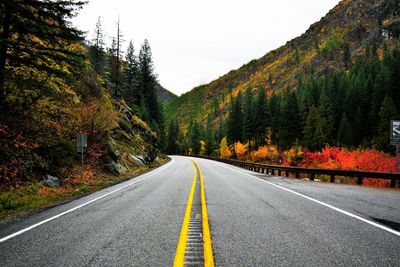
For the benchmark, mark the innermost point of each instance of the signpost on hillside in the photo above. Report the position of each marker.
(81, 144)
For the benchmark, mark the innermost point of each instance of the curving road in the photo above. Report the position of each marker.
(255, 220)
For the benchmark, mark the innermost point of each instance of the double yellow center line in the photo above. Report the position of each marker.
(207, 246)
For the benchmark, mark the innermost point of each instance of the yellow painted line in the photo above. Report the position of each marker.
(180, 251)
(208, 252)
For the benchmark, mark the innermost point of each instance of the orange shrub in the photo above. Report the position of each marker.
(265, 153)
(240, 150)
(294, 156)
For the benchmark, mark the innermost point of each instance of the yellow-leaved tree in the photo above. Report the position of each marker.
(224, 150)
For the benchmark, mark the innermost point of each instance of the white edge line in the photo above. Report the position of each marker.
(84, 204)
(390, 230)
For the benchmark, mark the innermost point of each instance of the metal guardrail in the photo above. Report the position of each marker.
(278, 170)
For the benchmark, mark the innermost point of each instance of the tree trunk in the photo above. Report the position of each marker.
(4, 36)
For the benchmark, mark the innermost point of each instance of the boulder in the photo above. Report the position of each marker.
(51, 181)
(118, 168)
(138, 159)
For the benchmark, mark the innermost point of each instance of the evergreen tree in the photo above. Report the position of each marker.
(195, 137)
(235, 120)
(345, 133)
(314, 138)
(131, 71)
(210, 138)
(290, 119)
(381, 87)
(147, 84)
(387, 112)
(248, 117)
(113, 69)
(96, 49)
(275, 111)
(172, 138)
(262, 118)
(327, 114)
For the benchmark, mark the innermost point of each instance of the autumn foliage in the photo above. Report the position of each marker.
(240, 150)
(224, 150)
(267, 153)
(329, 158)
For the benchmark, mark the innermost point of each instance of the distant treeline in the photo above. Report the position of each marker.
(348, 108)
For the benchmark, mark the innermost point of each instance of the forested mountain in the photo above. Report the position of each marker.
(337, 84)
(55, 85)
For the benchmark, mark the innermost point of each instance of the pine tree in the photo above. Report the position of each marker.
(326, 112)
(235, 120)
(172, 138)
(275, 111)
(248, 117)
(345, 133)
(147, 84)
(195, 137)
(262, 118)
(387, 112)
(96, 49)
(131, 73)
(314, 138)
(381, 87)
(113, 69)
(289, 118)
(210, 138)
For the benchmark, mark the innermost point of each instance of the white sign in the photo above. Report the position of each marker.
(395, 132)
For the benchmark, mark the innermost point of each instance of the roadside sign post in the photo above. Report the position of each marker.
(81, 144)
(395, 140)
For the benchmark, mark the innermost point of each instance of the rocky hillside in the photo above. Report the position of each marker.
(163, 94)
(348, 31)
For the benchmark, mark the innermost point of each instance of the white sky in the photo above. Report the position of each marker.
(195, 42)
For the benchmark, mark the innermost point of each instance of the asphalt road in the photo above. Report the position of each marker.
(254, 221)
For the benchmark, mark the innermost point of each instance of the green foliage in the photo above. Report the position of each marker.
(333, 44)
(53, 87)
(248, 116)
(195, 136)
(387, 112)
(345, 132)
(262, 118)
(36, 35)
(173, 134)
(235, 120)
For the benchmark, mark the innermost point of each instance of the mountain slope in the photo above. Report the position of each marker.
(163, 94)
(350, 28)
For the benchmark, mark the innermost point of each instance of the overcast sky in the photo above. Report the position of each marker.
(195, 42)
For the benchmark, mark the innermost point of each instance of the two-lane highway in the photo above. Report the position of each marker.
(252, 222)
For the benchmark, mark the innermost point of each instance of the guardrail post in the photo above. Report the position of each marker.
(393, 183)
(279, 172)
(287, 173)
(297, 175)
(359, 180)
(312, 177)
(332, 178)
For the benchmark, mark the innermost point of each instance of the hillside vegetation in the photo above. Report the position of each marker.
(55, 85)
(330, 45)
(337, 84)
